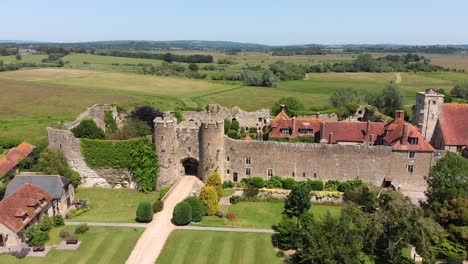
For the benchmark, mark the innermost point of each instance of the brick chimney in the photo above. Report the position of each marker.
(330, 138)
(368, 127)
(293, 125)
(404, 136)
(283, 108)
(400, 114)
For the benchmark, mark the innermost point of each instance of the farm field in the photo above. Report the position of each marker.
(210, 247)
(98, 245)
(111, 205)
(261, 214)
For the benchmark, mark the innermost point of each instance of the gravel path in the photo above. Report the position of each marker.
(151, 243)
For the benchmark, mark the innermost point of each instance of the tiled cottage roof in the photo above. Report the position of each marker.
(14, 157)
(54, 185)
(20, 204)
(295, 125)
(454, 124)
(358, 132)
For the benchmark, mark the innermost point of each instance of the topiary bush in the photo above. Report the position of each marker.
(88, 129)
(144, 212)
(198, 211)
(158, 206)
(209, 198)
(81, 229)
(182, 214)
(214, 179)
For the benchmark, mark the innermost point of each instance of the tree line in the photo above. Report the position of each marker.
(168, 57)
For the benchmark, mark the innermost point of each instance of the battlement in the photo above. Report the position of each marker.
(213, 124)
(160, 122)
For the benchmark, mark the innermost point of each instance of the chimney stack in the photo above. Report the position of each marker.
(283, 108)
(399, 114)
(330, 138)
(371, 139)
(404, 137)
(293, 125)
(368, 127)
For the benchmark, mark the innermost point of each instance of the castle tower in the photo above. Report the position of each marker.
(426, 112)
(165, 139)
(211, 142)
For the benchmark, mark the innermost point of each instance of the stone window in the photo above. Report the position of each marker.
(315, 175)
(293, 174)
(248, 161)
(413, 141)
(410, 168)
(270, 172)
(228, 172)
(411, 154)
(260, 119)
(234, 178)
(189, 149)
(247, 171)
(306, 131)
(303, 174)
(227, 158)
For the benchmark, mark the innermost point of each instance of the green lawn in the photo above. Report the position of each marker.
(261, 214)
(99, 245)
(209, 247)
(111, 205)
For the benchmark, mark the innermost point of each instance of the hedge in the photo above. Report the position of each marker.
(136, 154)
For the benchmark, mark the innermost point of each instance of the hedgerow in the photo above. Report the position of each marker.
(137, 155)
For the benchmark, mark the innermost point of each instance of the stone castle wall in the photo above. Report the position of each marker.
(96, 112)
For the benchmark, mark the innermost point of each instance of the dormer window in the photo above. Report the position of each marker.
(24, 217)
(284, 131)
(36, 207)
(42, 200)
(413, 141)
(306, 131)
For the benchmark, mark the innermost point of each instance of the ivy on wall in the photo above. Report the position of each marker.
(137, 155)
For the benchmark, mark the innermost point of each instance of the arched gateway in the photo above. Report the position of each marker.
(190, 166)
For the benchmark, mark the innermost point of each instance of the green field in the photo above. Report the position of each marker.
(111, 205)
(261, 214)
(98, 245)
(37, 98)
(209, 247)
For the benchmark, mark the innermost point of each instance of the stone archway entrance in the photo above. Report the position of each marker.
(190, 166)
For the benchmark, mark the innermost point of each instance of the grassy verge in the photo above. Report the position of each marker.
(261, 214)
(111, 205)
(98, 245)
(206, 247)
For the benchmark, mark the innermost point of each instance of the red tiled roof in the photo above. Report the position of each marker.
(14, 156)
(394, 136)
(358, 132)
(13, 207)
(299, 123)
(248, 138)
(280, 116)
(454, 124)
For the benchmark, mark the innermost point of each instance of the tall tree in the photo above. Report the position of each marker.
(297, 202)
(146, 113)
(344, 96)
(292, 106)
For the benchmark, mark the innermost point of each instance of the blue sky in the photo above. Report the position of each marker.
(273, 22)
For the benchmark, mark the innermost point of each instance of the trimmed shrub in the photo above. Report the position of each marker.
(332, 185)
(182, 214)
(214, 179)
(344, 187)
(289, 183)
(274, 182)
(209, 198)
(233, 134)
(64, 234)
(58, 220)
(76, 212)
(228, 184)
(316, 185)
(197, 208)
(235, 199)
(35, 236)
(144, 212)
(254, 182)
(163, 192)
(46, 224)
(88, 129)
(158, 206)
(81, 229)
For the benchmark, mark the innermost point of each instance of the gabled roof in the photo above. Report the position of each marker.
(54, 185)
(280, 116)
(395, 136)
(297, 123)
(21, 203)
(14, 157)
(454, 124)
(358, 132)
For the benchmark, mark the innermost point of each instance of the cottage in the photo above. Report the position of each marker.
(8, 162)
(58, 187)
(19, 210)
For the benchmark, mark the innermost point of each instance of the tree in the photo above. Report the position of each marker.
(182, 214)
(288, 232)
(209, 198)
(19, 57)
(460, 90)
(197, 208)
(364, 62)
(214, 179)
(146, 113)
(35, 236)
(293, 105)
(193, 67)
(144, 212)
(88, 129)
(297, 202)
(390, 99)
(344, 96)
(53, 162)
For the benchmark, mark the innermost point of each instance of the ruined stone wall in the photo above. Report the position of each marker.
(96, 112)
(325, 162)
